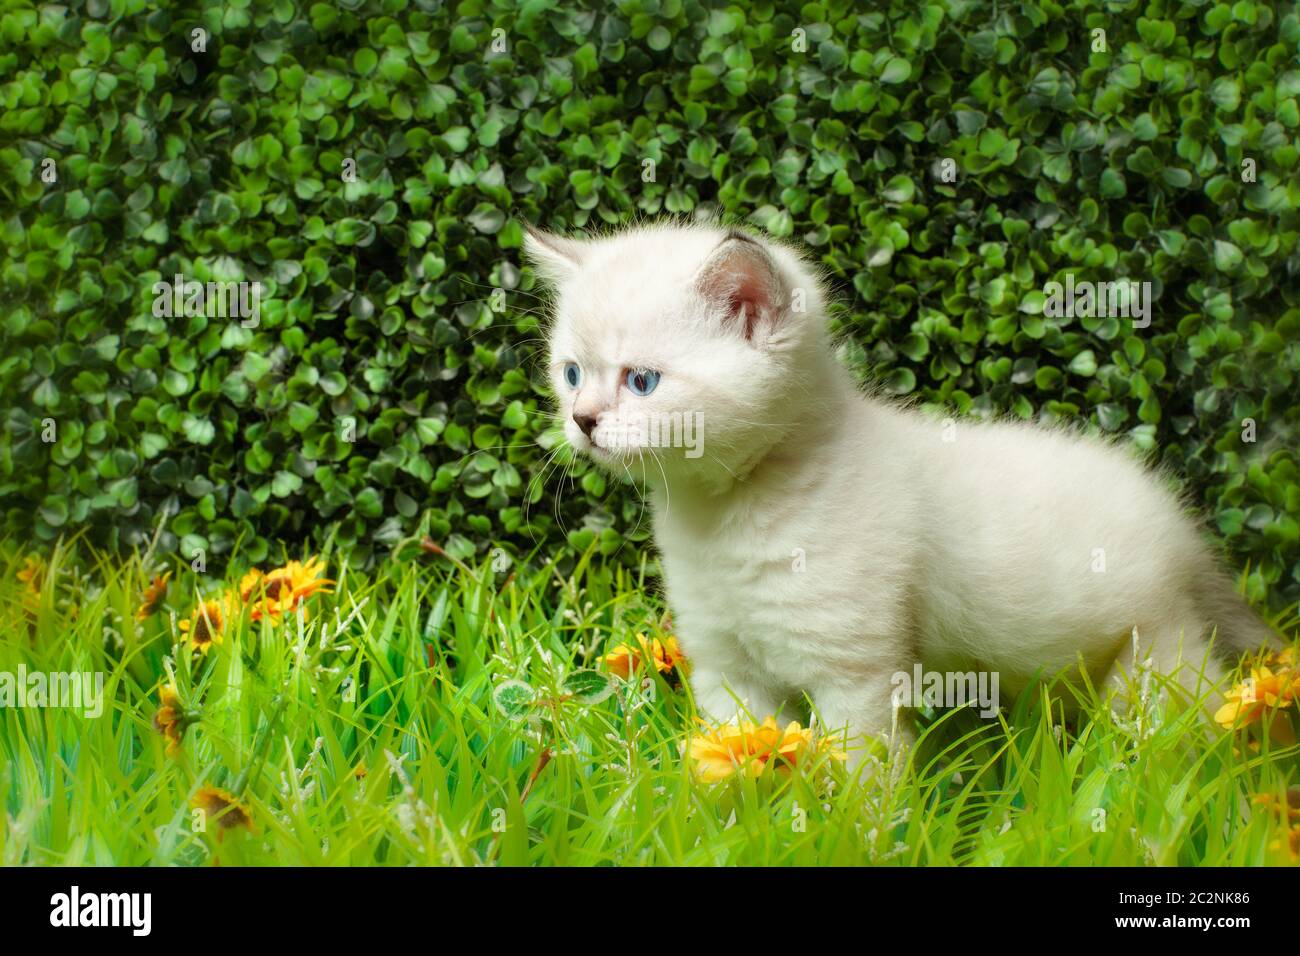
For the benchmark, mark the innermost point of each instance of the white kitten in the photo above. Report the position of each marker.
(819, 541)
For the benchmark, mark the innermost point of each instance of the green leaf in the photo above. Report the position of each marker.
(899, 189)
(900, 381)
(1227, 257)
(896, 70)
(1084, 363)
(513, 698)
(588, 687)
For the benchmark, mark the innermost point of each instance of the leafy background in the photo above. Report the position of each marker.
(228, 163)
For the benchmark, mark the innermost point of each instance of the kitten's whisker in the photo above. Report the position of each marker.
(506, 325)
(641, 513)
(567, 472)
(540, 480)
(483, 285)
(722, 463)
(514, 308)
(668, 499)
(490, 448)
(745, 421)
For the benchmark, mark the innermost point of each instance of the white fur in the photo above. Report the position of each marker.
(974, 553)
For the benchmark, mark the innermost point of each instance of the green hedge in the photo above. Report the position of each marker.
(819, 123)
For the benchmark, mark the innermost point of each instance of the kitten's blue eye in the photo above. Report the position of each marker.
(572, 374)
(642, 381)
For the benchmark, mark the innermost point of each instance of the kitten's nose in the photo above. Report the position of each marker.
(586, 422)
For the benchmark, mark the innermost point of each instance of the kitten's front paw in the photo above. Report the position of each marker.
(868, 724)
(722, 702)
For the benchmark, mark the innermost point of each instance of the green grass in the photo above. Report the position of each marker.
(448, 774)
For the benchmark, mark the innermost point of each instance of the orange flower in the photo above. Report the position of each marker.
(748, 749)
(280, 591)
(223, 808)
(1289, 812)
(153, 595)
(665, 654)
(1273, 685)
(171, 719)
(205, 626)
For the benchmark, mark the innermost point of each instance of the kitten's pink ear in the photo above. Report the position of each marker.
(741, 277)
(554, 256)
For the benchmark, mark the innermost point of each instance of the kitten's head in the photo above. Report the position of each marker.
(680, 352)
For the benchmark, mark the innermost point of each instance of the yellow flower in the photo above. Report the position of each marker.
(205, 626)
(1287, 845)
(171, 719)
(666, 655)
(222, 808)
(32, 573)
(280, 591)
(153, 595)
(1272, 686)
(248, 584)
(1283, 658)
(746, 748)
